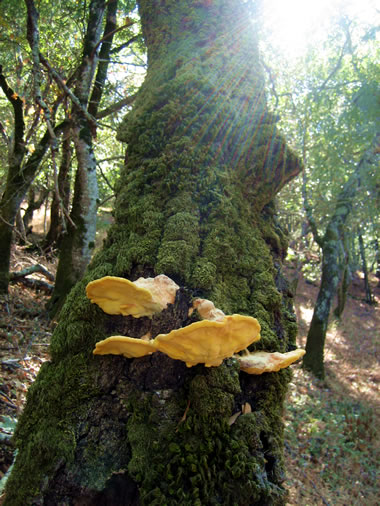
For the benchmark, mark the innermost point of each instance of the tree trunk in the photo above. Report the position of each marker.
(61, 196)
(204, 163)
(19, 179)
(342, 291)
(78, 244)
(20, 228)
(332, 244)
(377, 259)
(331, 276)
(367, 287)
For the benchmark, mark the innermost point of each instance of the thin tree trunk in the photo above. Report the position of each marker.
(20, 228)
(78, 244)
(342, 292)
(367, 287)
(19, 178)
(204, 163)
(377, 259)
(61, 196)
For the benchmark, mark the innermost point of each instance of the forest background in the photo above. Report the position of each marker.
(327, 103)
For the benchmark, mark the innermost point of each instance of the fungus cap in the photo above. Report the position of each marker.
(259, 362)
(208, 341)
(143, 297)
(207, 310)
(130, 347)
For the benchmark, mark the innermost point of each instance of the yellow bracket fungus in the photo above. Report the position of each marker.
(142, 297)
(127, 346)
(208, 341)
(262, 361)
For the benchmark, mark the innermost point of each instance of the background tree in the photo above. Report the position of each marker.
(55, 69)
(333, 115)
(194, 202)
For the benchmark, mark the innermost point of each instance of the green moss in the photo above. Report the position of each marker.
(45, 432)
(206, 461)
(204, 274)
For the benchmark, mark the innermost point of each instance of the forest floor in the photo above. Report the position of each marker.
(332, 443)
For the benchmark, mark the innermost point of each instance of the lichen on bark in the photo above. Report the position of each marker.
(194, 202)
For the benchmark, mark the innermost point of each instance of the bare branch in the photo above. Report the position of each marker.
(58, 79)
(111, 159)
(106, 179)
(129, 23)
(64, 211)
(19, 125)
(33, 37)
(117, 106)
(4, 134)
(123, 46)
(31, 270)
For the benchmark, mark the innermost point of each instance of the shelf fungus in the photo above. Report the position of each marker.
(142, 297)
(259, 362)
(205, 342)
(129, 347)
(209, 342)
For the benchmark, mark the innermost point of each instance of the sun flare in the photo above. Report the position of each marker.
(295, 24)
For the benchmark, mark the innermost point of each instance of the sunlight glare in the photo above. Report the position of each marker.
(296, 24)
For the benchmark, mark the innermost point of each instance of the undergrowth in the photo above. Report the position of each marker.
(331, 443)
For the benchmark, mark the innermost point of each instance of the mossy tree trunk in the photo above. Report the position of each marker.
(194, 202)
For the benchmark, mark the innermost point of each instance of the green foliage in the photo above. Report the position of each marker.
(64, 23)
(329, 105)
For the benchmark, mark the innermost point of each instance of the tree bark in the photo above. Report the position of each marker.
(377, 259)
(342, 290)
(194, 202)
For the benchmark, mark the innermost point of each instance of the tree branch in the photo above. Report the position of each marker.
(19, 125)
(123, 46)
(103, 62)
(306, 203)
(33, 37)
(4, 134)
(336, 67)
(14, 276)
(58, 79)
(112, 32)
(116, 106)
